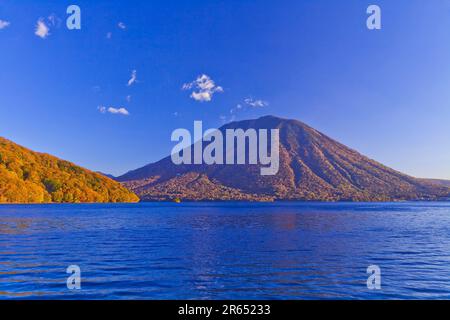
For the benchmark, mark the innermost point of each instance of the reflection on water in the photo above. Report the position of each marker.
(225, 250)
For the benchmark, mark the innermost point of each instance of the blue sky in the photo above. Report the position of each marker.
(384, 93)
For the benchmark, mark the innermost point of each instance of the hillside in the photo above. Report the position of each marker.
(30, 177)
(440, 182)
(312, 167)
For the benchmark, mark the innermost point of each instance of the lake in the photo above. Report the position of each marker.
(226, 250)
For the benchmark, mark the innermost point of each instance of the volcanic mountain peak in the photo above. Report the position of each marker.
(312, 167)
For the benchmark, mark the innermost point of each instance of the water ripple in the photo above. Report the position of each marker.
(225, 250)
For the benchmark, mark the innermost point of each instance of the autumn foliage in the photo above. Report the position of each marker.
(31, 177)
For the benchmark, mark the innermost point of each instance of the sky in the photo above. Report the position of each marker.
(108, 96)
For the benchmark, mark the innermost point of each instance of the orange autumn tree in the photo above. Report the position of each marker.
(31, 177)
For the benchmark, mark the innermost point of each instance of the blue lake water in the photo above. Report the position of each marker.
(225, 250)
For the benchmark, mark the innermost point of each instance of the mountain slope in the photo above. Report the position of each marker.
(30, 177)
(107, 175)
(312, 167)
(439, 182)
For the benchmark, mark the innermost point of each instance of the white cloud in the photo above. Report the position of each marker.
(133, 78)
(53, 20)
(4, 24)
(113, 110)
(248, 103)
(128, 98)
(204, 88)
(122, 111)
(201, 96)
(256, 103)
(42, 30)
(122, 25)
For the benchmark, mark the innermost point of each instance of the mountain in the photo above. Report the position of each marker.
(439, 182)
(312, 167)
(31, 177)
(107, 175)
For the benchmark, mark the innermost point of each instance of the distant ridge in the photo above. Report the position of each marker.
(312, 167)
(107, 175)
(31, 177)
(440, 182)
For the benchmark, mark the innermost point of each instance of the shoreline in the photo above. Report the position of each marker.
(227, 201)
